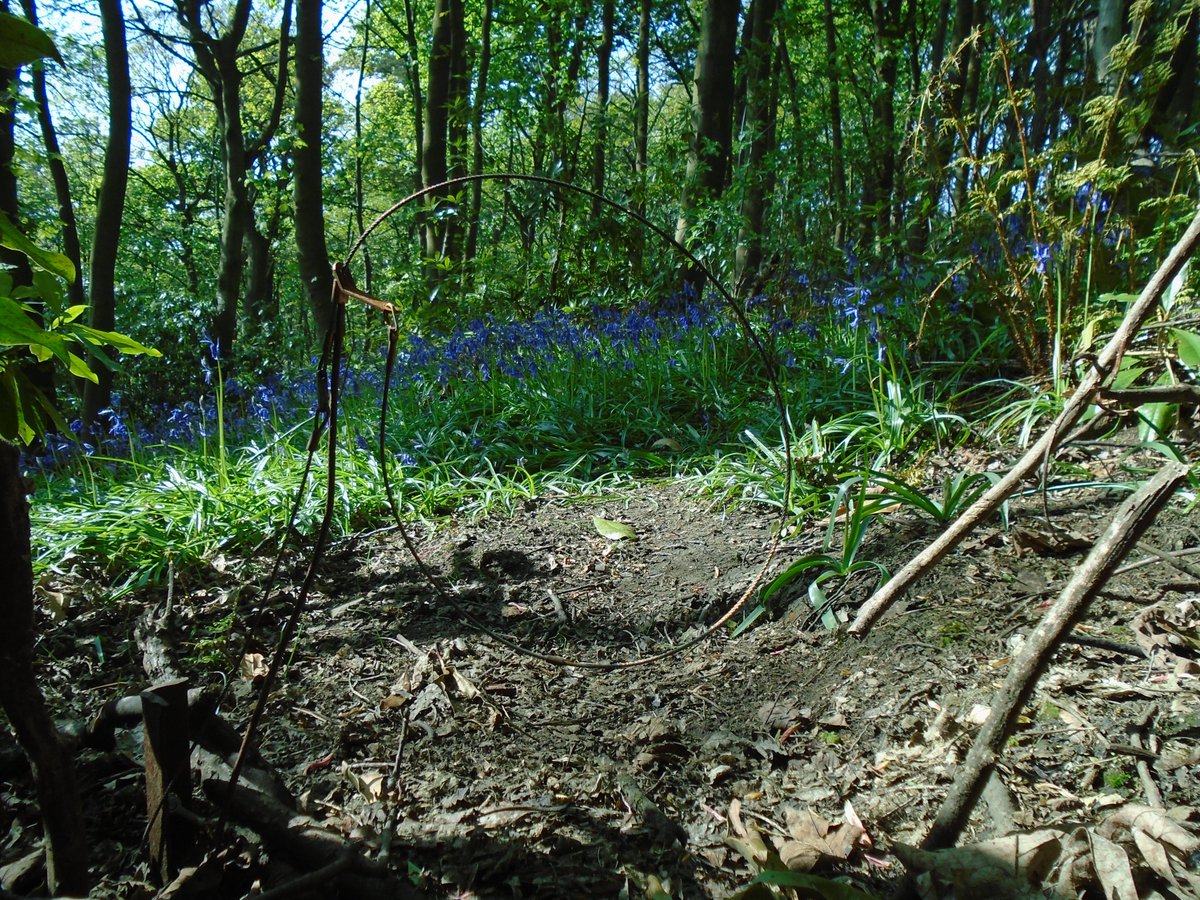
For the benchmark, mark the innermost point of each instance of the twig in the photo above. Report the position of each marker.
(1151, 560)
(385, 850)
(1107, 363)
(1172, 559)
(1140, 739)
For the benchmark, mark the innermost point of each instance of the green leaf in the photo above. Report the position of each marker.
(22, 42)
(12, 238)
(80, 369)
(820, 603)
(18, 329)
(12, 419)
(795, 570)
(1187, 345)
(826, 888)
(119, 342)
(614, 531)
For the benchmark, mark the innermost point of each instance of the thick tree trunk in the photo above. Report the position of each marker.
(759, 134)
(312, 251)
(435, 142)
(413, 70)
(261, 303)
(712, 112)
(20, 695)
(111, 205)
(217, 59)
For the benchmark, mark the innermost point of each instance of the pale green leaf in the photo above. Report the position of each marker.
(119, 342)
(1187, 344)
(614, 531)
(80, 369)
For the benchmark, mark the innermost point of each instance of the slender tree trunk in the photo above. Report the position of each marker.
(418, 97)
(20, 695)
(217, 59)
(880, 180)
(758, 133)
(477, 161)
(712, 112)
(359, 217)
(111, 205)
(312, 251)
(58, 173)
(602, 77)
(965, 96)
(1109, 23)
(641, 129)
(261, 305)
(838, 163)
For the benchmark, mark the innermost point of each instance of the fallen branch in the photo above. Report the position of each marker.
(1106, 364)
(1159, 393)
(1131, 520)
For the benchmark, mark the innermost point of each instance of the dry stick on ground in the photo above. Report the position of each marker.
(1105, 365)
(1131, 520)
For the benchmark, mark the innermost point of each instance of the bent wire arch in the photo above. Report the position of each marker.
(748, 332)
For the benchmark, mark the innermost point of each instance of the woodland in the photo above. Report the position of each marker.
(470, 448)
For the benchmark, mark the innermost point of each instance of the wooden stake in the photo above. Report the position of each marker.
(168, 773)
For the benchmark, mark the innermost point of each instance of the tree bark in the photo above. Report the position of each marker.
(608, 12)
(20, 695)
(759, 133)
(110, 207)
(311, 247)
(435, 142)
(712, 111)
(641, 128)
(1109, 22)
(477, 161)
(879, 181)
(217, 59)
(838, 163)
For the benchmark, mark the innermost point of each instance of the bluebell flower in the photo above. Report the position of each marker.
(1041, 256)
(809, 330)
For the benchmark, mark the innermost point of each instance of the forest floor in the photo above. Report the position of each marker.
(516, 777)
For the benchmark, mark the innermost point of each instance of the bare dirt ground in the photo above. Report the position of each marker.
(519, 778)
